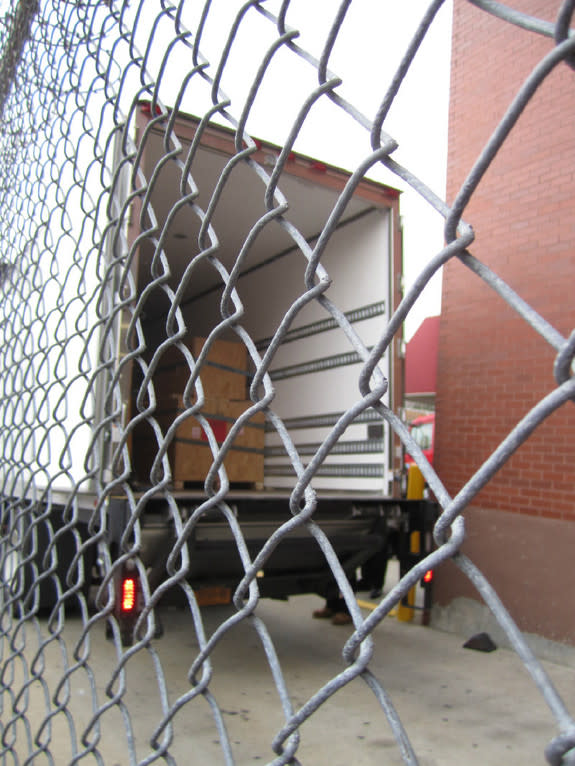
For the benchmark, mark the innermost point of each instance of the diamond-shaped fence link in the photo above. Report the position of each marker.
(189, 365)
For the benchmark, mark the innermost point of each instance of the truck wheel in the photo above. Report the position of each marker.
(20, 574)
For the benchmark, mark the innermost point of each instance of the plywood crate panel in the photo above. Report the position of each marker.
(223, 374)
(189, 453)
(244, 462)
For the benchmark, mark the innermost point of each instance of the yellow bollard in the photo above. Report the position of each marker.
(415, 488)
(405, 613)
(415, 483)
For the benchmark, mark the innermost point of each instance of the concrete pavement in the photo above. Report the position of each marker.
(458, 706)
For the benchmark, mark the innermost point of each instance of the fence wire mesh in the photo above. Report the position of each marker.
(137, 242)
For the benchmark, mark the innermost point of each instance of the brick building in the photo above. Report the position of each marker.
(492, 366)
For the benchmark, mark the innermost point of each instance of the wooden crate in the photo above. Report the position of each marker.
(223, 374)
(224, 379)
(189, 453)
(210, 595)
(191, 456)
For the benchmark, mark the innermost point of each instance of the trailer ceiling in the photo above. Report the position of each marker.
(240, 205)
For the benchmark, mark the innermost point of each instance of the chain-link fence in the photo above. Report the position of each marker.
(200, 362)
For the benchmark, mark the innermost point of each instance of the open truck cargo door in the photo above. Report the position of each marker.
(263, 241)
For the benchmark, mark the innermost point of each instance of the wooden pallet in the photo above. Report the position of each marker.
(254, 486)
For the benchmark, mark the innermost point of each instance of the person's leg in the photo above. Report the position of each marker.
(341, 615)
(335, 608)
(374, 571)
(332, 603)
(327, 611)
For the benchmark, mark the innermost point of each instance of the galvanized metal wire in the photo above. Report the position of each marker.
(74, 188)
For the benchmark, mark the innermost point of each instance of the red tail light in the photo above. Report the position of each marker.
(428, 576)
(128, 600)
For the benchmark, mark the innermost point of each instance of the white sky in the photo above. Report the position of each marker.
(374, 37)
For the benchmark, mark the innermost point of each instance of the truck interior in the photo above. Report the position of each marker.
(204, 222)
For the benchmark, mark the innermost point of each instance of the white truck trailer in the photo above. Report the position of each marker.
(206, 258)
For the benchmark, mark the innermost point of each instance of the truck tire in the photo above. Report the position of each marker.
(25, 591)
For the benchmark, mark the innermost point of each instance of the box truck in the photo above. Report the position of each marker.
(207, 275)
(422, 430)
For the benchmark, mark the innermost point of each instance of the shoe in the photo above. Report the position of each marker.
(376, 593)
(323, 614)
(341, 618)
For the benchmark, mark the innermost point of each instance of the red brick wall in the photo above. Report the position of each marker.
(492, 366)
